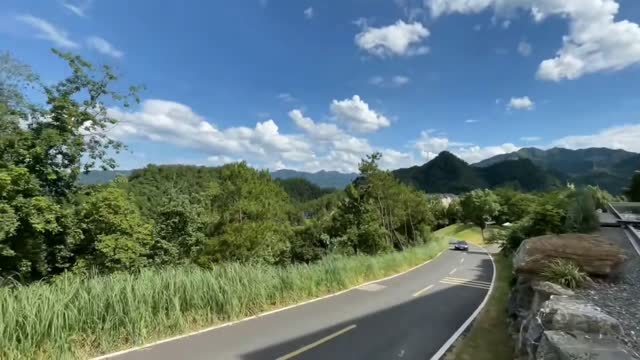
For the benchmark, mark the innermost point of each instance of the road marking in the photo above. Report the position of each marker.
(319, 342)
(423, 291)
(372, 287)
(452, 271)
(463, 284)
(443, 349)
(461, 260)
(467, 281)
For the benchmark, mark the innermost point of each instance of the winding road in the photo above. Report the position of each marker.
(415, 315)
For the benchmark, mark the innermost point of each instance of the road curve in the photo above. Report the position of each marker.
(411, 316)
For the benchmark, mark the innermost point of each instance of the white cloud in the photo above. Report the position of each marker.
(320, 131)
(471, 121)
(524, 48)
(175, 123)
(430, 146)
(78, 7)
(506, 24)
(625, 137)
(530, 138)
(477, 27)
(308, 13)
(596, 41)
(286, 97)
(498, 101)
(218, 160)
(47, 31)
(394, 81)
(104, 47)
(399, 39)
(473, 154)
(400, 80)
(521, 103)
(357, 114)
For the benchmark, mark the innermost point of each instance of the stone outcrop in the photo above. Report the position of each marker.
(558, 345)
(591, 253)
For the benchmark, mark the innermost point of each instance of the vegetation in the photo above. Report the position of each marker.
(479, 207)
(633, 192)
(75, 316)
(466, 232)
(564, 272)
(488, 338)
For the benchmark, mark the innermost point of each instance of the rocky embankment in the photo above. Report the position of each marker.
(554, 323)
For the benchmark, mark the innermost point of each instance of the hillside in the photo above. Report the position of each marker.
(444, 174)
(102, 177)
(449, 174)
(324, 179)
(608, 168)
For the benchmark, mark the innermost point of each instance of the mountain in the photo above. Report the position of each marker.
(608, 168)
(324, 179)
(102, 177)
(449, 174)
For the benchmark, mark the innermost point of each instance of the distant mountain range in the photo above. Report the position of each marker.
(448, 174)
(608, 168)
(529, 169)
(324, 179)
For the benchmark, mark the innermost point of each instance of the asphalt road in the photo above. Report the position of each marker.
(410, 316)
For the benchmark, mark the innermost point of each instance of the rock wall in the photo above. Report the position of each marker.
(548, 321)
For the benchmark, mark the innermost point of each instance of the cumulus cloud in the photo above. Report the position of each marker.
(357, 115)
(320, 131)
(473, 154)
(524, 48)
(595, 42)
(625, 137)
(104, 47)
(175, 123)
(520, 103)
(47, 31)
(308, 13)
(430, 146)
(399, 39)
(530, 138)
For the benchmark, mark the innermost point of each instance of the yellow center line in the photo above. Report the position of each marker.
(314, 344)
(467, 281)
(423, 291)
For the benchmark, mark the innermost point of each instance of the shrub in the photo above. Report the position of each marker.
(564, 272)
(581, 215)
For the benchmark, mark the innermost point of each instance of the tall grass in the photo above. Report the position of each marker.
(76, 317)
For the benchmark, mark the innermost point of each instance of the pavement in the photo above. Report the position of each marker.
(410, 316)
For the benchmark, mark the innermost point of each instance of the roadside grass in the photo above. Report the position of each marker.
(488, 338)
(467, 232)
(77, 317)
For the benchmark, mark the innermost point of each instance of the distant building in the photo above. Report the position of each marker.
(445, 198)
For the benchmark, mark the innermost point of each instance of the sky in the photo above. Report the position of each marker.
(312, 85)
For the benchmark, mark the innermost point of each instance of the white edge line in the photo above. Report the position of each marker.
(630, 236)
(118, 353)
(466, 324)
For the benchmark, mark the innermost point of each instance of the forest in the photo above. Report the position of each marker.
(198, 227)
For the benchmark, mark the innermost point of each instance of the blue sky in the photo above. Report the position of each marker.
(315, 85)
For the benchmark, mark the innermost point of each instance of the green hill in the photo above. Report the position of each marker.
(449, 174)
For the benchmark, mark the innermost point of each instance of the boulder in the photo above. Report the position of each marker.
(542, 291)
(558, 345)
(569, 314)
(564, 314)
(591, 253)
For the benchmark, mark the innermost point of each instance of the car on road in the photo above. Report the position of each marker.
(460, 245)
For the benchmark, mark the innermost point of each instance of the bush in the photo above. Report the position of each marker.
(565, 272)
(581, 215)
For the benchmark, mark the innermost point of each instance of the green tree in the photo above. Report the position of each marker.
(581, 214)
(114, 235)
(479, 207)
(514, 205)
(252, 221)
(633, 193)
